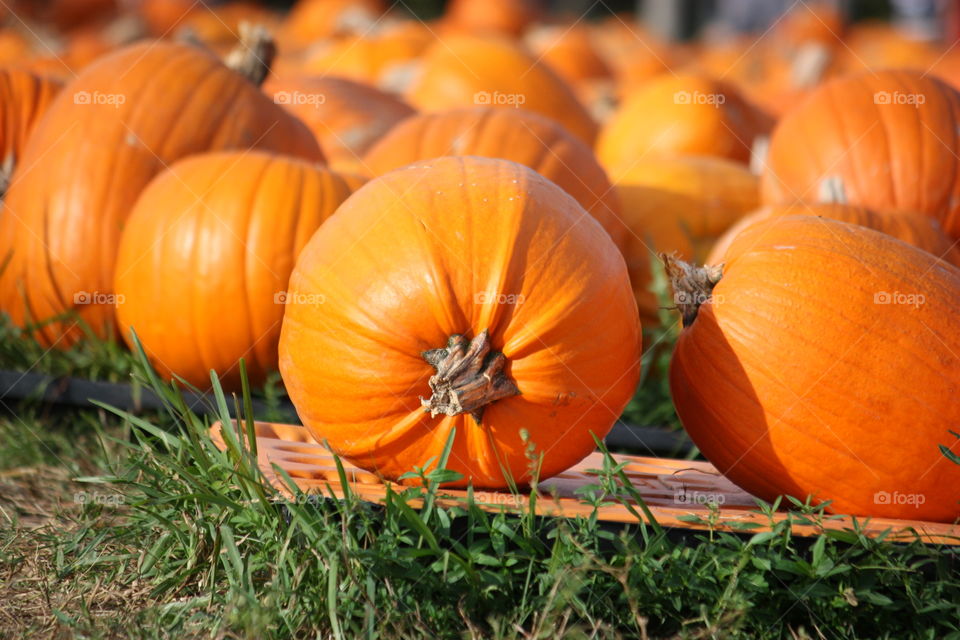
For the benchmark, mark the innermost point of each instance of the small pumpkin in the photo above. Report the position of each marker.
(103, 138)
(512, 134)
(682, 114)
(346, 117)
(822, 360)
(920, 231)
(892, 146)
(678, 205)
(206, 254)
(467, 294)
(463, 71)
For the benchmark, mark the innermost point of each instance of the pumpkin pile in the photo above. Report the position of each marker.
(449, 236)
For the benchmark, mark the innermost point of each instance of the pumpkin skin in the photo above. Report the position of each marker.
(791, 379)
(459, 246)
(569, 50)
(466, 71)
(219, 231)
(899, 157)
(919, 231)
(678, 205)
(681, 114)
(346, 117)
(511, 134)
(85, 165)
(25, 97)
(504, 17)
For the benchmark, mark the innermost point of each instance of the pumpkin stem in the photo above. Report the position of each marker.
(254, 54)
(6, 173)
(692, 285)
(469, 377)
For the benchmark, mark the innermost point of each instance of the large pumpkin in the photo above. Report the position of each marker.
(511, 134)
(824, 360)
(24, 97)
(205, 257)
(461, 293)
(919, 231)
(884, 140)
(464, 71)
(121, 122)
(678, 205)
(345, 116)
(681, 114)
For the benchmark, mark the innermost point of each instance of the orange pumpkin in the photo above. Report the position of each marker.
(462, 71)
(823, 361)
(461, 293)
(346, 117)
(919, 231)
(569, 50)
(226, 228)
(892, 146)
(511, 134)
(504, 17)
(312, 20)
(104, 137)
(681, 114)
(678, 205)
(370, 58)
(24, 97)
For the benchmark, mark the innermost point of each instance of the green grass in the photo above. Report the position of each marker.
(115, 525)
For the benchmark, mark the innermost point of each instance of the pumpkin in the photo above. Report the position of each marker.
(104, 137)
(681, 114)
(511, 134)
(569, 50)
(226, 227)
(312, 20)
(462, 294)
(892, 146)
(24, 97)
(822, 361)
(678, 205)
(919, 231)
(373, 59)
(346, 117)
(462, 71)
(504, 17)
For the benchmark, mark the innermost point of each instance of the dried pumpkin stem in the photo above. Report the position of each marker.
(254, 54)
(692, 285)
(469, 377)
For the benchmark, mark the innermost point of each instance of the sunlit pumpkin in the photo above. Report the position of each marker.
(467, 294)
(467, 71)
(883, 140)
(103, 138)
(24, 98)
(824, 360)
(205, 256)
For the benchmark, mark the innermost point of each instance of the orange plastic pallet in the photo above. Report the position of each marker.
(674, 490)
